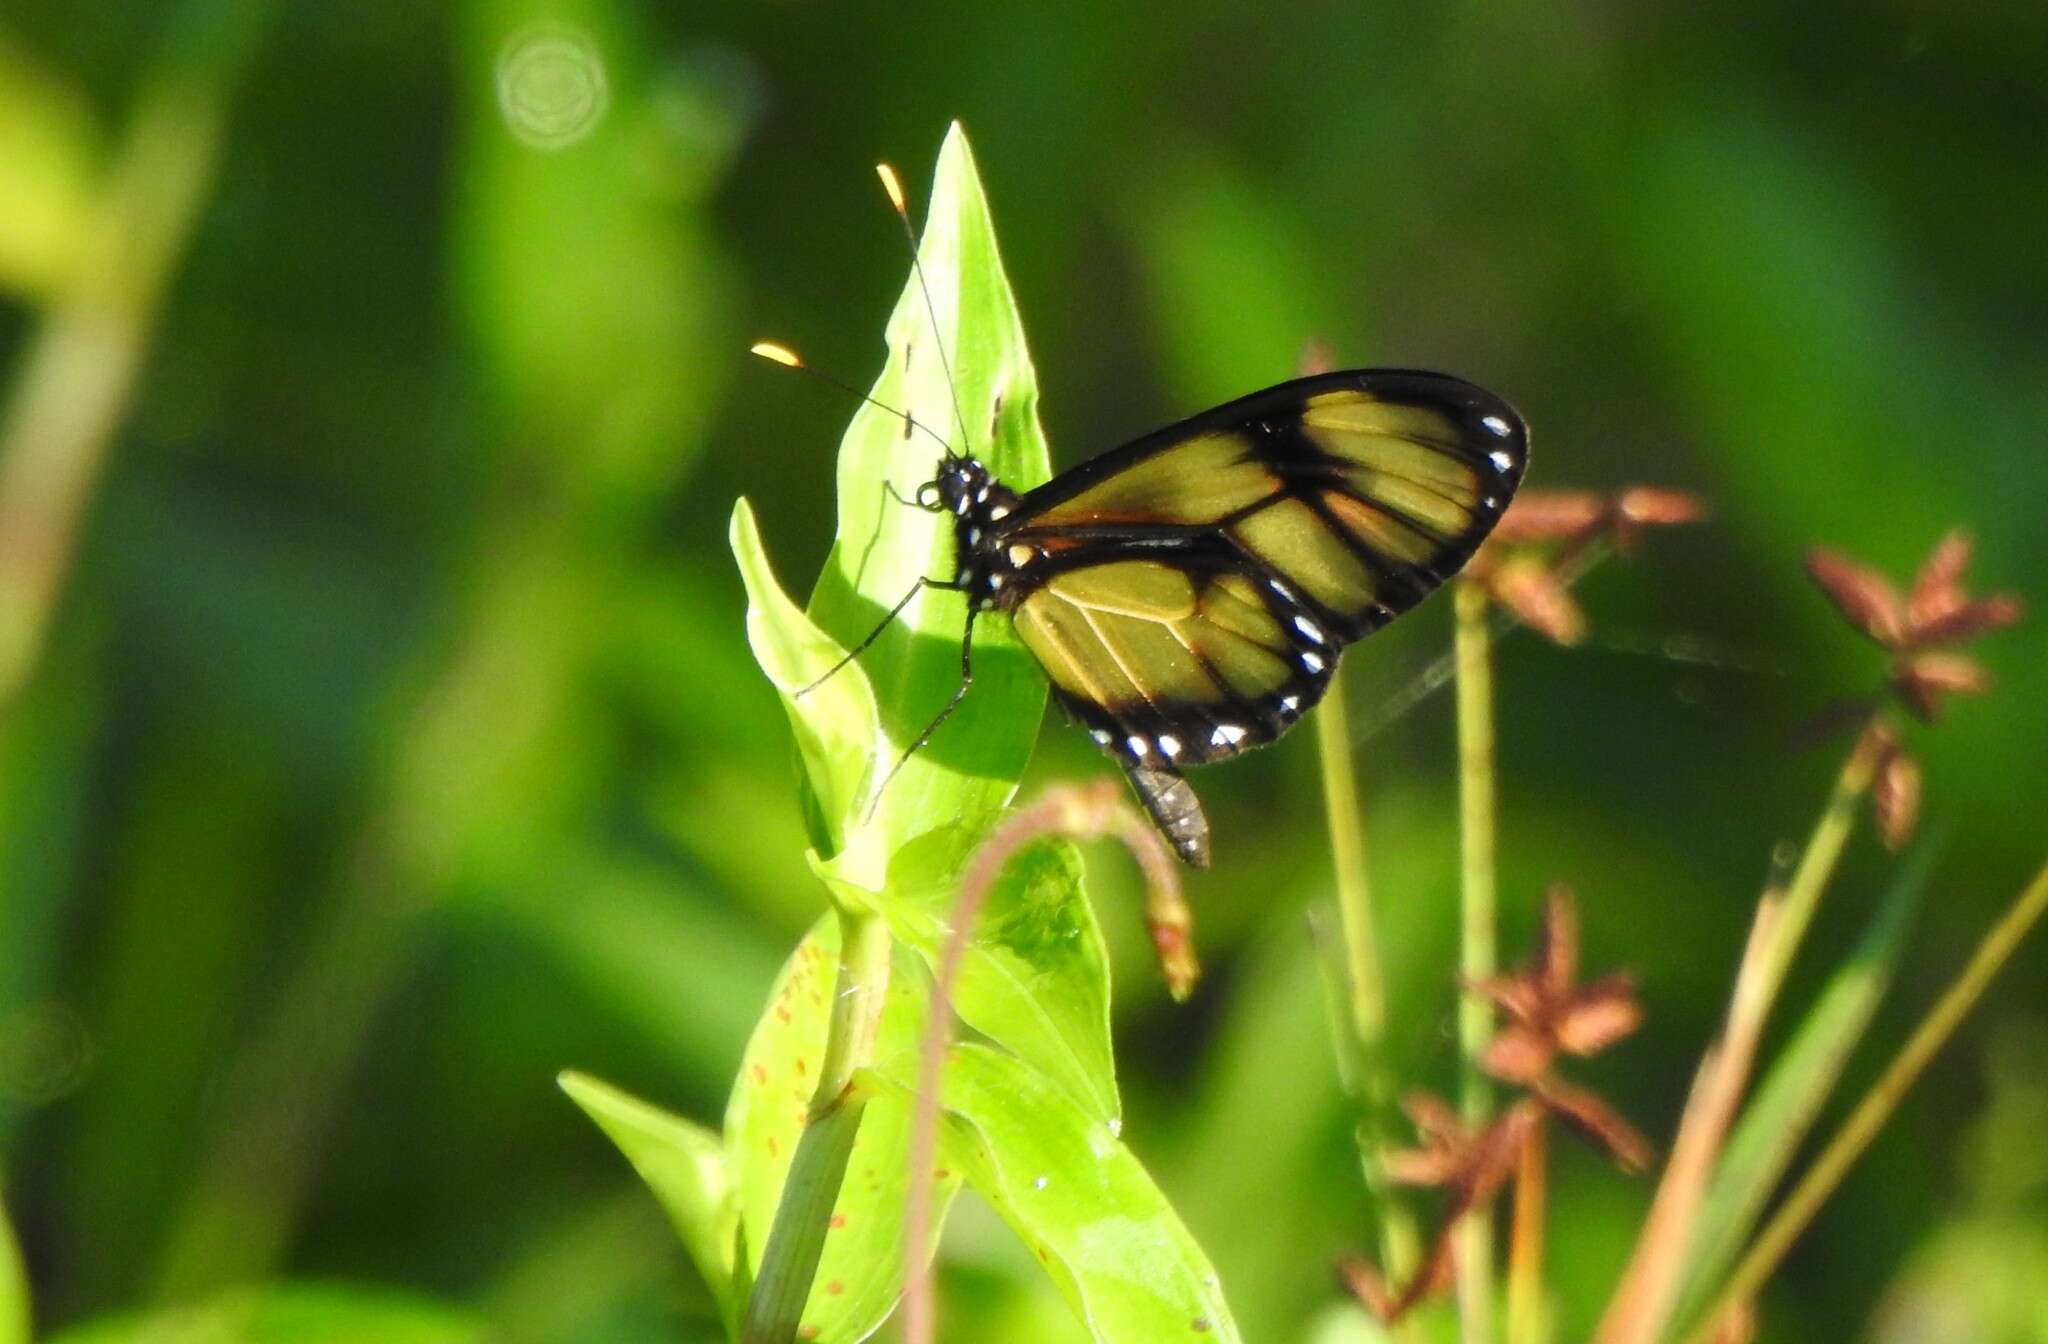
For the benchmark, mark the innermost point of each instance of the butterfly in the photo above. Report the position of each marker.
(1188, 594)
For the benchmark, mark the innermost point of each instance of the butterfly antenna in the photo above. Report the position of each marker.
(789, 359)
(894, 189)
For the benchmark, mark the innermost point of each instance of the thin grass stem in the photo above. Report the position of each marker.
(1360, 1026)
(1478, 920)
(1642, 1304)
(1871, 1113)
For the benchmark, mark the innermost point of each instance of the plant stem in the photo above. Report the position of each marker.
(1878, 1103)
(78, 371)
(1477, 923)
(1810, 877)
(864, 946)
(1363, 983)
(1642, 1304)
(1525, 1243)
(817, 1170)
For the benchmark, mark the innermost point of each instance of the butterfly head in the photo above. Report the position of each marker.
(962, 486)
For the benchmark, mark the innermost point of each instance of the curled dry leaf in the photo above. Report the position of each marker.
(1598, 1121)
(1863, 596)
(1965, 621)
(1655, 506)
(1550, 515)
(1937, 589)
(1538, 597)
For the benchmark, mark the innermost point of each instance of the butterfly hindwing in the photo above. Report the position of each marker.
(1171, 663)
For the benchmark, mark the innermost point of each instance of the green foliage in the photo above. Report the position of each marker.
(292, 1313)
(956, 357)
(394, 741)
(1073, 1192)
(1035, 976)
(861, 1268)
(685, 1166)
(46, 174)
(14, 1292)
(1778, 1118)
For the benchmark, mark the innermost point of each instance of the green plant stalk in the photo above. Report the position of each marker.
(1775, 1122)
(1870, 1115)
(1641, 1308)
(1477, 922)
(1810, 878)
(1363, 982)
(80, 368)
(864, 947)
(789, 1263)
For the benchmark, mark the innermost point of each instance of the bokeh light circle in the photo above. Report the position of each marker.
(551, 85)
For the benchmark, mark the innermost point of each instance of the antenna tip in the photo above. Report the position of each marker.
(780, 354)
(893, 187)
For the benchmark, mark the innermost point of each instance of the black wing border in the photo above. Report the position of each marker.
(1471, 405)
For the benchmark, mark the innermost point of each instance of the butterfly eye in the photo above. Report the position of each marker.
(928, 497)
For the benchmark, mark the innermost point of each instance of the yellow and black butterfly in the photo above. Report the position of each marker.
(1188, 593)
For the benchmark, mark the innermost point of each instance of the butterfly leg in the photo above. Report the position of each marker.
(857, 650)
(866, 552)
(959, 694)
(1174, 810)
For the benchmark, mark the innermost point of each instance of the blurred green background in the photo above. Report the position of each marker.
(377, 733)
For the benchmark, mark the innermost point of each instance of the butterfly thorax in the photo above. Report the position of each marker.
(979, 503)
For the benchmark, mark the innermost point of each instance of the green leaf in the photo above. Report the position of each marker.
(297, 1313)
(684, 1165)
(1035, 975)
(1764, 1140)
(15, 1318)
(962, 318)
(835, 724)
(860, 1272)
(1079, 1199)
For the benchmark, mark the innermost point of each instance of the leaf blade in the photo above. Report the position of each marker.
(859, 1272)
(1034, 977)
(955, 340)
(1079, 1199)
(683, 1164)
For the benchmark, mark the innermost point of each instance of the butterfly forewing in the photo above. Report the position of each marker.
(1188, 593)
